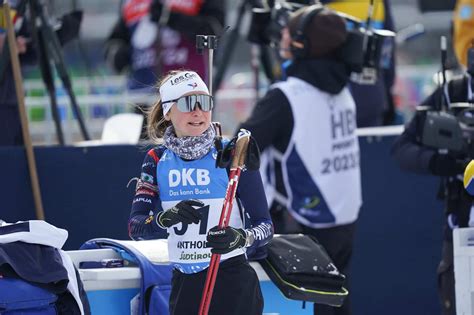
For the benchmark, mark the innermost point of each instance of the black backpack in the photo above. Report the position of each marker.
(302, 270)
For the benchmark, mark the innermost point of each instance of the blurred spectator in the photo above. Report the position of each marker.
(308, 123)
(153, 37)
(10, 125)
(374, 102)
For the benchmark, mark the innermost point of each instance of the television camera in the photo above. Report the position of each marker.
(449, 126)
(362, 50)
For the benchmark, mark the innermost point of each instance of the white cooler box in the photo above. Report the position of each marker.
(463, 242)
(110, 290)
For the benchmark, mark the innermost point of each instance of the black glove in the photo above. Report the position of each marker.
(183, 212)
(225, 154)
(446, 165)
(225, 240)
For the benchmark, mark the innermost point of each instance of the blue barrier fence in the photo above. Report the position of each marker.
(398, 239)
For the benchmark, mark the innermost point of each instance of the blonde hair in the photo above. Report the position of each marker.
(157, 123)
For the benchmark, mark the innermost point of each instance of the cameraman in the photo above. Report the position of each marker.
(309, 123)
(374, 102)
(412, 155)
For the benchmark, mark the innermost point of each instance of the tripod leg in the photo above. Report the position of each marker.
(254, 62)
(54, 49)
(268, 62)
(229, 47)
(46, 74)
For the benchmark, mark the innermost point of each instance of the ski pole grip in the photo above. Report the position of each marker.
(241, 146)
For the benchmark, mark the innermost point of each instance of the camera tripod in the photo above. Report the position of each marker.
(48, 50)
(229, 45)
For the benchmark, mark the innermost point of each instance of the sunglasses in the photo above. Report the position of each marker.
(188, 103)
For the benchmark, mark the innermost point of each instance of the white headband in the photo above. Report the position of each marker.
(178, 85)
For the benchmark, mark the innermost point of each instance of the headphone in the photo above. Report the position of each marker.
(300, 45)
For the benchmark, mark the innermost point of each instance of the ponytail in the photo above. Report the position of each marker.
(157, 123)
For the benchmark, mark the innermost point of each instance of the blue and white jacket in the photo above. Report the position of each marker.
(167, 179)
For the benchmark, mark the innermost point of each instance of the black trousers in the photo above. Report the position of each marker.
(236, 292)
(446, 280)
(338, 242)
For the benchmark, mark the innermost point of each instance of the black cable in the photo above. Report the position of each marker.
(229, 47)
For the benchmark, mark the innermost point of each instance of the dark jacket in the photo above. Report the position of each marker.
(411, 155)
(375, 101)
(209, 21)
(41, 266)
(121, 52)
(10, 126)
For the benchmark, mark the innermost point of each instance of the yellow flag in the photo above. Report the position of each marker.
(3, 23)
(463, 29)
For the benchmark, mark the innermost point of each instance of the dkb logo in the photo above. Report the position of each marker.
(188, 176)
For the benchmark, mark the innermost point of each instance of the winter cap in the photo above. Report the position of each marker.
(324, 33)
(179, 84)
